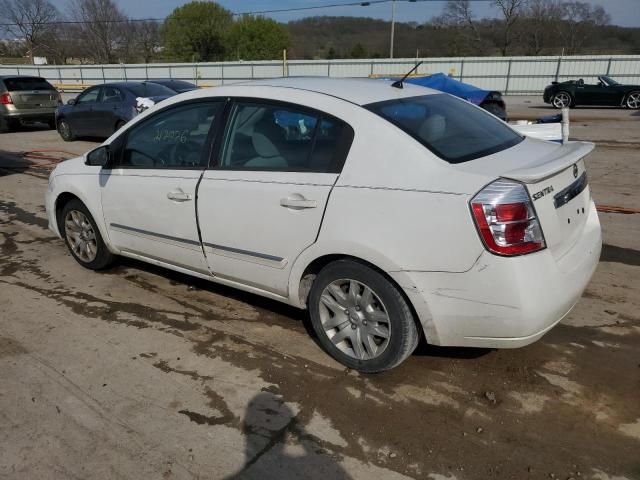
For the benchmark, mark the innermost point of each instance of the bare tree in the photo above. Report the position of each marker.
(147, 40)
(458, 14)
(541, 19)
(581, 19)
(102, 28)
(510, 11)
(30, 20)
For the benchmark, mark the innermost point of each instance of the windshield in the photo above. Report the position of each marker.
(150, 90)
(609, 81)
(451, 128)
(27, 83)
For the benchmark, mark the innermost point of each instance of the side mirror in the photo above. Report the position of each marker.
(98, 157)
(71, 101)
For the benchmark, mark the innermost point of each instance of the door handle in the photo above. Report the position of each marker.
(179, 196)
(297, 202)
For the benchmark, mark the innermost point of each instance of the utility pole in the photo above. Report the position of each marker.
(393, 26)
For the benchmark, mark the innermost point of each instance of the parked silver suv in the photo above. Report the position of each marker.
(26, 98)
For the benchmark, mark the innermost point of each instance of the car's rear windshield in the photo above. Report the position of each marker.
(452, 128)
(150, 90)
(179, 85)
(18, 84)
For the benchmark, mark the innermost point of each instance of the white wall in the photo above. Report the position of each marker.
(513, 75)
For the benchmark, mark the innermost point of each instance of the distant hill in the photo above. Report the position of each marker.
(362, 37)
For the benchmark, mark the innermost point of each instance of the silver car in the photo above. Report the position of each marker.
(26, 98)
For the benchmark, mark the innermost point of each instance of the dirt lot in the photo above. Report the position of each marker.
(142, 373)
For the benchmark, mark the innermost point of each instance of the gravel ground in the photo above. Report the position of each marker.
(138, 372)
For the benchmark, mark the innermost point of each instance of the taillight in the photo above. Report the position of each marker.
(5, 99)
(506, 219)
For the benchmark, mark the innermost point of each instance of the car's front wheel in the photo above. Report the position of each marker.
(633, 100)
(361, 318)
(562, 100)
(82, 236)
(64, 129)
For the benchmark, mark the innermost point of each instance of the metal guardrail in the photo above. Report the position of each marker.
(511, 75)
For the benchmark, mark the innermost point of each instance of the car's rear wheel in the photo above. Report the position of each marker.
(119, 125)
(64, 129)
(495, 109)
(562, 99)
(83, 237)
(633, 100)
(361, 318)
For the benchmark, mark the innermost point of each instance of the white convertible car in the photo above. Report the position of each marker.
(390, 213)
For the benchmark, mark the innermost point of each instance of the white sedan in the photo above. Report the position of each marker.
(389, 213)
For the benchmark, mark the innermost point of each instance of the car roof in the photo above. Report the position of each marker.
(360, 91)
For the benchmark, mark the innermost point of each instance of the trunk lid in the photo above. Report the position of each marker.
(562, 203)
(556, 180)
(35, 99)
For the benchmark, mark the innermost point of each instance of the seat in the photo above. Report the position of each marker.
(268, 141)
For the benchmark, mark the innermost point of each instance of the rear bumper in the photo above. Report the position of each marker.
(504, 302)
(42, 114)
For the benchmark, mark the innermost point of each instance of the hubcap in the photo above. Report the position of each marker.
(355, 319)
(634, 100)
(80, 235)
(64, 129)
(561, 100)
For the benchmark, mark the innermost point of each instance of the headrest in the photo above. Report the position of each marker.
(266, 137)
(433, 128)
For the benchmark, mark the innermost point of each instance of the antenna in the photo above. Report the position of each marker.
(398, 83)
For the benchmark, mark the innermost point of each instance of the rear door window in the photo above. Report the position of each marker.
(273, 137)
(453, 129)
(27, 83)
(112, 95)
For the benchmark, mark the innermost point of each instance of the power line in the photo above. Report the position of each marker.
(235, 14)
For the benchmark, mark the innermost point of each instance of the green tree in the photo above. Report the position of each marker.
(358, 51)
(256, 38)
(196, 31)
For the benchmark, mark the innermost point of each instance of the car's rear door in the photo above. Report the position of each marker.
(148, 197)
(262, 203)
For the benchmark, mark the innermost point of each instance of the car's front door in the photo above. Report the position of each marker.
(148, 197)
(83, 116)
(594, 94)
(107, 109)
(262, 203)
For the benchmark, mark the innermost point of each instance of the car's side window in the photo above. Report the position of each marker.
(90, 96)
(274, 137)
(175, 138)
(112, 95)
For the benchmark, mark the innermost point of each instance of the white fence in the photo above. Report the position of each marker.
(511, 75)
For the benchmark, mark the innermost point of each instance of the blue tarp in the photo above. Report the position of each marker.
(444, 83)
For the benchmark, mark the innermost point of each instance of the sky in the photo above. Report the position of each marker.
(623, 12)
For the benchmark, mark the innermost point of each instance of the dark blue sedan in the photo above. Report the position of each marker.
(101, 110)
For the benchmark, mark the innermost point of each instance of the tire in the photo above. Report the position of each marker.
(632, 100)
(562, 99)
(361, 317)
(496, 110)
(119, 125)
(64, 129)
(78, 227)
(5, 125)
